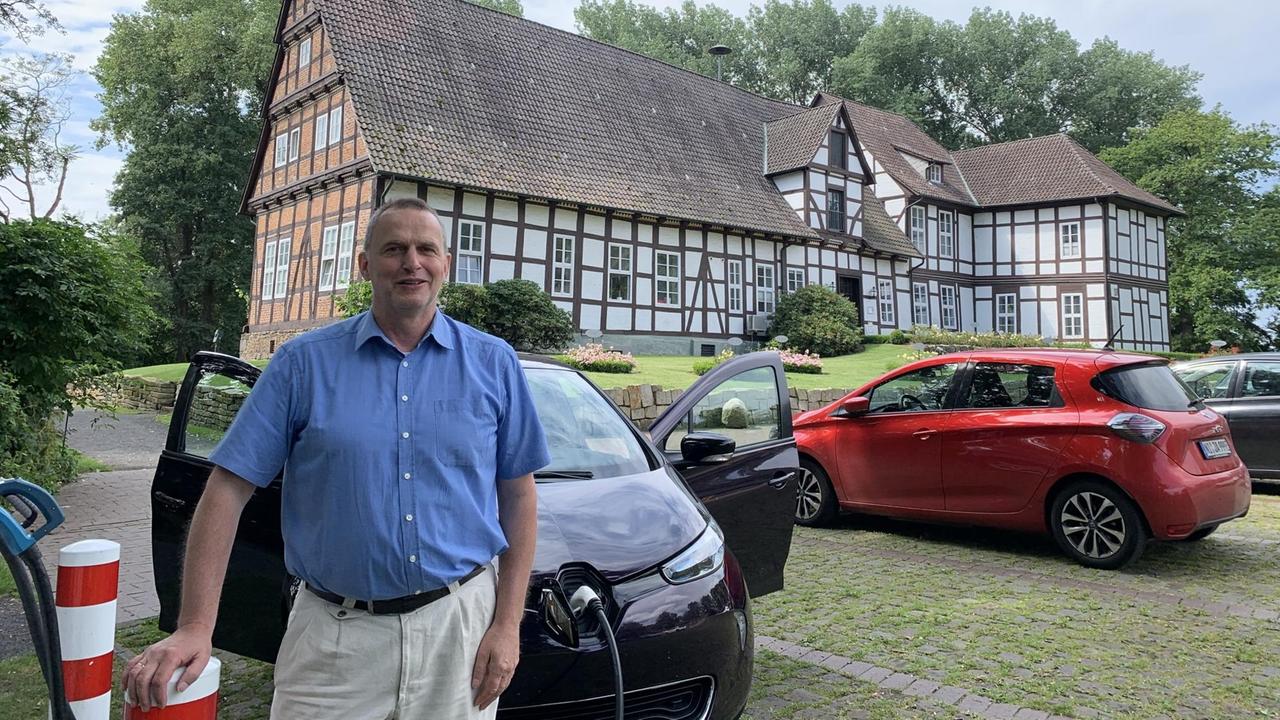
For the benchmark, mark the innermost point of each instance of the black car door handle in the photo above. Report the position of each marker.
(168, 501)
(779, 480)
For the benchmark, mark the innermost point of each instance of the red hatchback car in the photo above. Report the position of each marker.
(1102, 449)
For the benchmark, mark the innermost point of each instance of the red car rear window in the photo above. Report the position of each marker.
(1146, 385)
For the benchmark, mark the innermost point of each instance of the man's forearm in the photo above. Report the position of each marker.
(209, 541)
(518, 513)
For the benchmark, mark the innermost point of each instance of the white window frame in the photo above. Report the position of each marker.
(841, 207)
(562, 248)
(795, 279)
(295, 143)
(282, 149)
(947, 238)
(765, 288)
(1069, 241)
(950, 307)
(884, 293)
(666, 278)
(621, 264)
(934, 173)
(919, 228)
(321, 139)
(335, 125)
(282, 266)
(1072, 317)
(470, 249)
(1007, 318)
(304, 53)
(920, 303)
(269, 271)
(328, 256)
(735, 286)
(346, 246)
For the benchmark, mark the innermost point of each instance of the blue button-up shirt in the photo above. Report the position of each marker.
(391, 460)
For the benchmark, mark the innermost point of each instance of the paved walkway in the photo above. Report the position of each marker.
(114, 505)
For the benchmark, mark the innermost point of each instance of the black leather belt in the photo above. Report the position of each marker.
(394, 606)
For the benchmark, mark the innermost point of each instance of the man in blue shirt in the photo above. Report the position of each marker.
(408, 442)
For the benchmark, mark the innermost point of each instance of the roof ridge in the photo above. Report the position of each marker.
(1003, 143)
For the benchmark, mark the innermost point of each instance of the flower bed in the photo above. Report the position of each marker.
(801, 362)
(593, 357)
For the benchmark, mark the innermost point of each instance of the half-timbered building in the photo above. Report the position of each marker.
(664, 209)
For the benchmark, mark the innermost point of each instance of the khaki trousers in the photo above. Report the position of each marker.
(337, 663)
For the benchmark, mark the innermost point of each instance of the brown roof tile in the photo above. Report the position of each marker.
(792, 141)
(1045, 169)
(450, 91)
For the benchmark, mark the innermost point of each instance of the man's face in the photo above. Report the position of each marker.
(406, 262)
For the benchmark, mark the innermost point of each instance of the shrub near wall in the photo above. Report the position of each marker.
(818, 319)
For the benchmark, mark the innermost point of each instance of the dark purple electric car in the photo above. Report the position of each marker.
(674, 530)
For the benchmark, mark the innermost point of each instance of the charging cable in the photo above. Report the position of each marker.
(586, 599)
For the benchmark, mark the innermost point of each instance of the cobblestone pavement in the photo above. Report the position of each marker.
(114, 505)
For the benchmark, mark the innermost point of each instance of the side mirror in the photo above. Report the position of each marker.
(853, 407)
(705, 447)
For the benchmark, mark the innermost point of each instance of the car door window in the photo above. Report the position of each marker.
(214, 404)
(1011, 385)
(744, 408)
(920, 390)
(1261, 379)
(1209, 381)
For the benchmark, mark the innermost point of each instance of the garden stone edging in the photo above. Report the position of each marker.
(644, 403)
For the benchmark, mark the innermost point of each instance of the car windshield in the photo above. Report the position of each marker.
(586, 435)
(1147, 385)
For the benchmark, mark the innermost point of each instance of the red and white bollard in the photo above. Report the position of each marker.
(88, 582)
(198, 702)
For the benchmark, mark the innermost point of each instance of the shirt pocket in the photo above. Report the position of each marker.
(464, 432)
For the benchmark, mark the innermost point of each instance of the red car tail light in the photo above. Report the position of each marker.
(1136, 427)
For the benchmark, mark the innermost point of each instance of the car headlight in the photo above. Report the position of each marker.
(703, 557)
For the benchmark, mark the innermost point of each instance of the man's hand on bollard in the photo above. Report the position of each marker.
(146, 677)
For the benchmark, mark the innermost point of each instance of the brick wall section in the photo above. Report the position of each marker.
(140, 394)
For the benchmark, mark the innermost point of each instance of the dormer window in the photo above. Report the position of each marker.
(934, 173)
(838, 155)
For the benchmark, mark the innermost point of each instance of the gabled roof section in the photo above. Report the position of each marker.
(887, 134)
(1046, 169)
(881, 232)
(455, 92)
(792, 141)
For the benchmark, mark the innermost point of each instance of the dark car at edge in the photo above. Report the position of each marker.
(1245, 389)
(671, 532)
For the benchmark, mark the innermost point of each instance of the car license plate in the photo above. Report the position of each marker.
(1214, 449)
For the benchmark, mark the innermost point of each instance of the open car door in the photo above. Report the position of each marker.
(254, 604)
(750, 490)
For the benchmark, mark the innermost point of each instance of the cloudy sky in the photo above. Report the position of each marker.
(1230, 42)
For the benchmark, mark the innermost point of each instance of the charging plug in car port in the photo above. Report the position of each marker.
(586, 600)
(557, 617)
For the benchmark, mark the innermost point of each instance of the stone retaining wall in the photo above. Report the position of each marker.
(643, 403)
(215, 407)
(140, 394)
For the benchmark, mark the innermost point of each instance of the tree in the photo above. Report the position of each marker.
(183, 86)
(680, 37)
(510, 7)
(997, 78)
(73, 306)
(25, 18)
(797, 42)
(33, 91)
(1223, 256)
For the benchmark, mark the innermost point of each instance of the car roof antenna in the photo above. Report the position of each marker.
(1110, 346)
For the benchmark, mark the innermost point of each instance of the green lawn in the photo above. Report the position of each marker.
(173, 372)
(676, 371)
